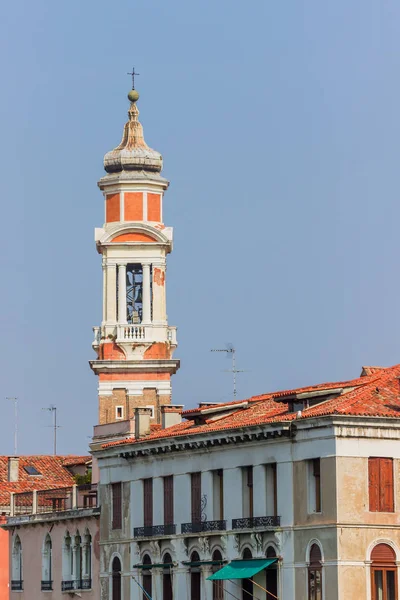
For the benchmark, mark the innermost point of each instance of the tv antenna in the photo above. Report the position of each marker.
(52, 408)
(15, 400)
(230, 349)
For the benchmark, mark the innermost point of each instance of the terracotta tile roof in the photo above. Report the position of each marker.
(53, 471)
(376, 394)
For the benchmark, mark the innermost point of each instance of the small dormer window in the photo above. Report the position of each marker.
(31, 470)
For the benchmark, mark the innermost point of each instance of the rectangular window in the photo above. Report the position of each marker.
(148, 502)
(272, 509)
(247, 492)
(218, 494)
(314, 485)
(196, 497)
(119, 412)
(168, 500)
(380, 484)
(116, 500)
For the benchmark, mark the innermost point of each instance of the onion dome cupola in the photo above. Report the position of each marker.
(133, 154)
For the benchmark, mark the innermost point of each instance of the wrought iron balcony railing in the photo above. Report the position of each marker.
(85, 584)
(46, 586)
(17, 585)
(66, 586)
(250, 522)
(198, 526)
(76, 584)
(154, 530)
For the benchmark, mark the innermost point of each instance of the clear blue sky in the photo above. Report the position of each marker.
(280, 130)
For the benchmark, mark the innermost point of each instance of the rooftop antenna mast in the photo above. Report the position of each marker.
(15, 400)
(230, 349)
(52, 408)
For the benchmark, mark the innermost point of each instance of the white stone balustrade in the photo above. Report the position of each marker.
(135, 333)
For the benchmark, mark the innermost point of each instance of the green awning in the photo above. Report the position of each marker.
(243, 569)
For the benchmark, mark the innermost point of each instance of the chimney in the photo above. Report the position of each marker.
(142, 422)
(171, 414)
(13, 465)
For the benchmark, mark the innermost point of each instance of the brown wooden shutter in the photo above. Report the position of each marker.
(315, 555)
(275, 489)
(251, 494)
(168, 500)
(196, 497)
(148, 502)
(386, 491)
(220, 474)
(373, 484)
(317, 477)
(383, 553)
(116, 492)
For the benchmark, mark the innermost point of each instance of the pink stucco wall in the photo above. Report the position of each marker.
(4, 591)
(32, 537)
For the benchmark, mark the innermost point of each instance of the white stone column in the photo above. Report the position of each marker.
(159, 305)
(146, 294)
(111, 294)
(158, 501)
(122, 294)
(103, 265)
(182, 502)
(180, 583)
(157, 583)
(136, 504)
(206, 586)
(233, 495)
(285, 501)
(259, 491)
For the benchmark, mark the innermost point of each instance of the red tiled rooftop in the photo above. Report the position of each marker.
(376, 394)
(53, 471)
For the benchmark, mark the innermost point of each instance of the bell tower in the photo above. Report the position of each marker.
(134, 343)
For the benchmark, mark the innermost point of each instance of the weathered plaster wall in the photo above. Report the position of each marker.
(4, 562)
(328, 493)
(32, 537)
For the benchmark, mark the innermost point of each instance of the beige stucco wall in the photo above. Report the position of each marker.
(32, 538)
(112, 541)
(328, 493)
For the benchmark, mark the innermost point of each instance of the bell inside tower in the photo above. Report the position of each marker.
(134, 294)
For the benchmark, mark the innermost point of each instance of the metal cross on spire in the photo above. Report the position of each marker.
(133, 77)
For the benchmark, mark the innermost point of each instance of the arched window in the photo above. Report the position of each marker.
(247, 584)
(67, 564)
(16, 567)
(195, 582)
(78, 561)
(218, 584)
(315, 574)
(383, 573)
(86, 582)
(147, 578)
(47, 583)
(167, 577)
(272, 574)
(116, 579)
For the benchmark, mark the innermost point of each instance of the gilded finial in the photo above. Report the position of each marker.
(133, 95)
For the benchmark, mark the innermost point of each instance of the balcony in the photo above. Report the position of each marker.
(46, 586)
(58, 500)
(16, 585)
(76, 584)
(135, 333)
(199, 526)
(154, 530)
(251, 522)
(67, 586)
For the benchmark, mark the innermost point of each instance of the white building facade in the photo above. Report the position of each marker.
(240, 482)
